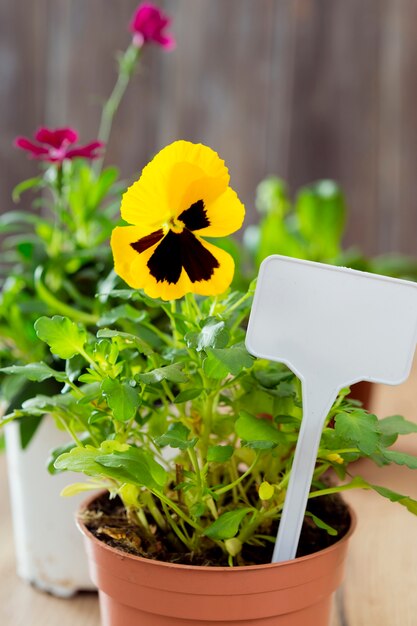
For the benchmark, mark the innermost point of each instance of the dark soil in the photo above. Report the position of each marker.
(108, 521)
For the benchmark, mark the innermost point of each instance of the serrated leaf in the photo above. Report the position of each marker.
(409, 503)
(122, 398)
(219, 454)
(396, 425)
(227, 525)
(35, 371)
(186, 395)
(64, 337)
(177, 437)
(258, 433)
(213, 334)
(400, 458)
(360, 428)
(223, 361)
(172, 373)
(128, 339)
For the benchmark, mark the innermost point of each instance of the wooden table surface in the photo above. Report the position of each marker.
(380, 588)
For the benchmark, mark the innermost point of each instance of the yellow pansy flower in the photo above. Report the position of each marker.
(182, 196)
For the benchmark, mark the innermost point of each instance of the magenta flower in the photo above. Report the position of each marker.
(57, 145)
(148, 25)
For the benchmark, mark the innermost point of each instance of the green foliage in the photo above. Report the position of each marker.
(122, 398)
(257, 433)
(34, 371)
(359, 428)
(177, 436)
(64, 337)
(227, 525)
(219, 454)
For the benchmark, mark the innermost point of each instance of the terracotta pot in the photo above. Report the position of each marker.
(141, 592)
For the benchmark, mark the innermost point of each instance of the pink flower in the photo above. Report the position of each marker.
(55, 145)
(148, 25)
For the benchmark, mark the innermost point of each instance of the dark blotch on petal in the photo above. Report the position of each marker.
(198, 262)
(166, 263)
(147, 242)
(181, 250)
(195, 217)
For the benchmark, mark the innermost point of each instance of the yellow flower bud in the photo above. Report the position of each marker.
(233, 546)
(334, 457)
(266, 491)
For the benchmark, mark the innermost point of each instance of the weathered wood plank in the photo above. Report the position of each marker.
(300, 88)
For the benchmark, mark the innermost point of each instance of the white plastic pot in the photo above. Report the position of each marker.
(49, 548)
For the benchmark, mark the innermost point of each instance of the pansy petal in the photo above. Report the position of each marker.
(225, 215)
(218, 282)
(128, 263)
(222, 275)
(173, 180)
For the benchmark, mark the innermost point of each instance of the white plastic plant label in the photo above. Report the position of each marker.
(333, 327)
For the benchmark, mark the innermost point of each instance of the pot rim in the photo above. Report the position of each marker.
(205, 568)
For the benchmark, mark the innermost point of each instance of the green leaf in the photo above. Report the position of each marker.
(64, 337)
(56, 452)
(35, 371)
(187, 394)
(30, 183)
(257, 433)
(223, 361)
(400, 458)
(213, 334)
(128, 339)
(321, 524)
(397, 425)
(320, 210)
(227, 525)
(271, 378)
(117, 461)
(409, 503)
(136, 466)
(177, 437)
(172, 373)
(219, 454)
(122, 398)
(360, 428)
(124, 311)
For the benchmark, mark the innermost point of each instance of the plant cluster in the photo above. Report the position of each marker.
(164, 405)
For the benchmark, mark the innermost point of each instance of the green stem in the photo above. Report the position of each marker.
(178, 511)
(330, 490)
(196, 467)
(176, 528)
(56, 305)
(238, 480)
(127, 66)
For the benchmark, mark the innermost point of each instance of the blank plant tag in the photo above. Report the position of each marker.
(332, 327)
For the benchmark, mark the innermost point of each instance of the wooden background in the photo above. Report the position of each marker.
(301, 88)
